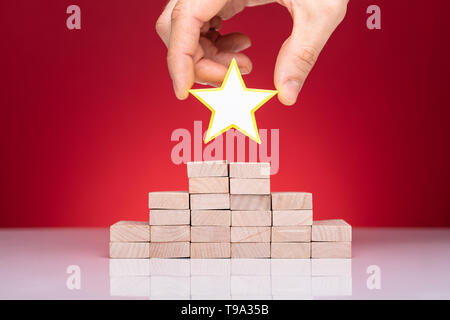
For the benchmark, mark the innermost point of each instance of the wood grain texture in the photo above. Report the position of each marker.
(291, 200)
(207, 169)
(249, 186)
(170, 249)
(210, 234)
(292, 217)
(250, 250)
(169, 217)
(211, 218)
(331, 250)
(250, 234)
(209, 185)
(130, 231)
(291, 250)
(170, 233)
(210, 250)
(241, 202)
(254, 170)
(250, 218)
(291, 234)
(129, 250)
(211, 201)
(331, 230)
(168, 200)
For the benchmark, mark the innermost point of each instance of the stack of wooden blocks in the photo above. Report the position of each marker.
(229, 212)
(210, 209)
(170, 230)
(251, 217)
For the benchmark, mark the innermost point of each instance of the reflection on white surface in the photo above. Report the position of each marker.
(413, 264)
(130, 286)
(242, 279)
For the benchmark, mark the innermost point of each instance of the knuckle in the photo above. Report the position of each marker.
(178, 11)
(307, 56)
(303, 61)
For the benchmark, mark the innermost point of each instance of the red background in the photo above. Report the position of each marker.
(86, 116)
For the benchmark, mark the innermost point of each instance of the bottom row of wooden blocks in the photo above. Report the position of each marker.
(294, 250)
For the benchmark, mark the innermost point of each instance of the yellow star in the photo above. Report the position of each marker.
(233, 105)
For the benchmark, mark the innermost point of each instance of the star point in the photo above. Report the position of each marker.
(233, 105)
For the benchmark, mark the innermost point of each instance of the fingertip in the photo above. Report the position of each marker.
(288, 92)
(245, 43)
(246, 67)
(283, 100)
(180, 93)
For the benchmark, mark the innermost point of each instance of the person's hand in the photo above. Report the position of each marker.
(197, 52)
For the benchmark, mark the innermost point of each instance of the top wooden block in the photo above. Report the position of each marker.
(168, 200)
(331, 230)
(291, 200)
(130, 231)
(207, 169)
(254, 170)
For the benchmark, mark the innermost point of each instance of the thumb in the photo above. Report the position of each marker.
(312, 27)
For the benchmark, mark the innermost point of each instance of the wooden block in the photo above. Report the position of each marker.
(249, 186)
(291, 234)
(254, 170)
(291, 250)
(130, 231)
(210, 234)
(210, 201)
(331, 250)
(169, 217)
(292, 217)
(210, 250)
(250, 234)
(209, 185)
(207, 169)
(250, 250)
(331, 230)
(170, 250)
(291, 200)
(251, 218)
(250, 202)
(168, 200)
(211, 218)
(129, 250)
(170, 233)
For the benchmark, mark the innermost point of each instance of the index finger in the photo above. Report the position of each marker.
(188, 17)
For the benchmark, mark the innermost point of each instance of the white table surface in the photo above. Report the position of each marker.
(413, 264)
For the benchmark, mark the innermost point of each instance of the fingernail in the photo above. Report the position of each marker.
(291, 90)
(245, 70)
